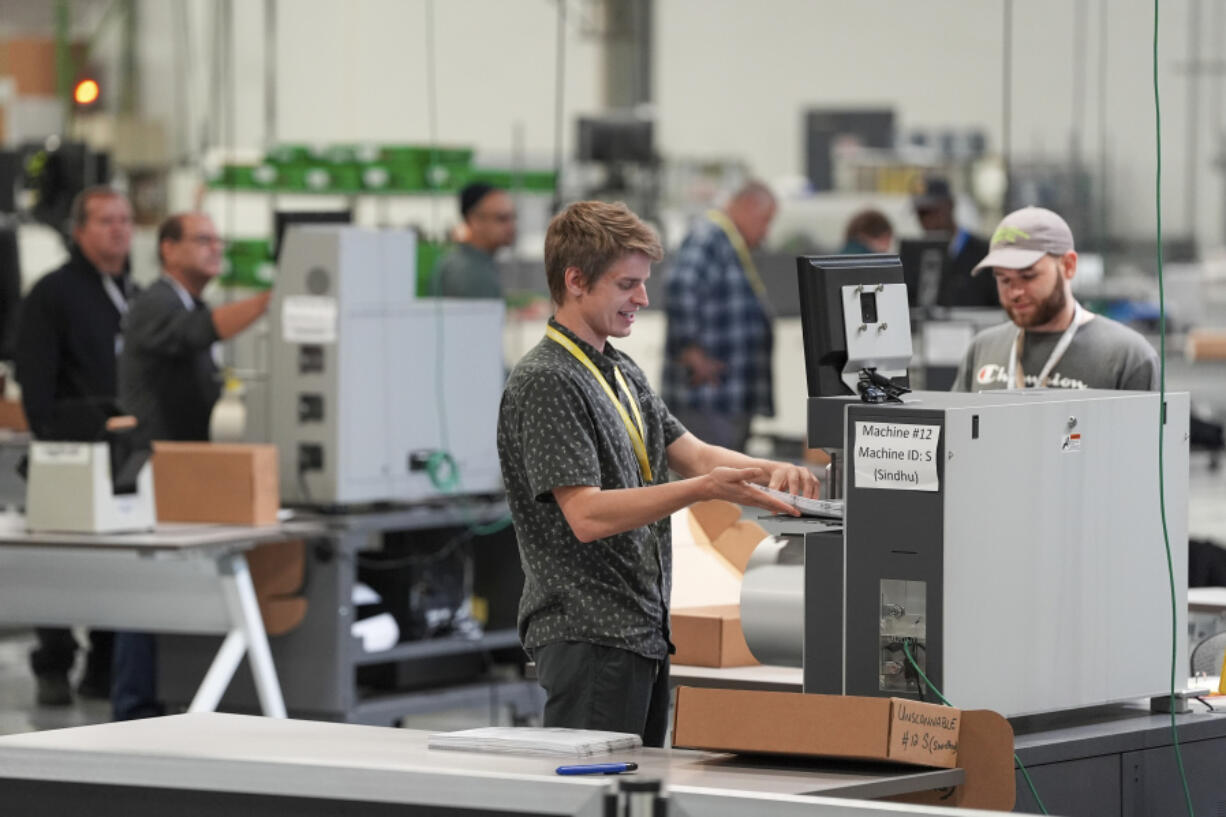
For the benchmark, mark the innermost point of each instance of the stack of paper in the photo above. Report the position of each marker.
(535, 741)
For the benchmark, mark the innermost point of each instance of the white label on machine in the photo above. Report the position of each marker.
(60, 453)
(308, 319)
(897, 456)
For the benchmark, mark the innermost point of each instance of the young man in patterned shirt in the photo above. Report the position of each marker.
(586, 447)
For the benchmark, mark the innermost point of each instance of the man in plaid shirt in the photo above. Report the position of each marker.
(717, 370)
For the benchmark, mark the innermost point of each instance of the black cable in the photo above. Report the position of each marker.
(302, 486)
(417, 560)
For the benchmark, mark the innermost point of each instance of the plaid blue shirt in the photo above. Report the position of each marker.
(710, 303)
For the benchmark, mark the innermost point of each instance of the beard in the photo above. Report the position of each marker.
(1050, 307)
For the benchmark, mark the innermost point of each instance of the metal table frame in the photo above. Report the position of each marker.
(180, 578)
(319, 659)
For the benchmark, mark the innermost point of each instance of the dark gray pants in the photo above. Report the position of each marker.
(593, 687)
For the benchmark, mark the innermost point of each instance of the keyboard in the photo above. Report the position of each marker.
(828, 508)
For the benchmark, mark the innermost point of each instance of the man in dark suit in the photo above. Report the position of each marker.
(934, 208)
(68, 340)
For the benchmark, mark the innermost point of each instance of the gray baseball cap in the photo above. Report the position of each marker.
(1024, 236)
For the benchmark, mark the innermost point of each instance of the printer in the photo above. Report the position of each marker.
(91, 473)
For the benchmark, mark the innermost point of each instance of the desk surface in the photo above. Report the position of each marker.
(1210, 599)
(1109, 729)
(759, 676)
(441, 512)
(327, 760)
(165, 537)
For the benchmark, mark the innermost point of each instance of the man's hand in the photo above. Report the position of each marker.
(795, 479)
(732, 484)
(702, 367)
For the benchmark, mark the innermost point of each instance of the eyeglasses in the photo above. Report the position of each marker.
(204, 240)
(501, 218)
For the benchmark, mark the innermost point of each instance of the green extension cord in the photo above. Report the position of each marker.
(1166, 537)
(906, 649)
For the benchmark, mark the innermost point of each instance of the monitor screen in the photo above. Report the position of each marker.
(822, 281)
(923, 264)
(287, 218)
(615, 139)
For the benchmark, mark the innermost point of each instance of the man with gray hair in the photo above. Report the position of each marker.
(1050, 340)
(69, 336)
(717, 365)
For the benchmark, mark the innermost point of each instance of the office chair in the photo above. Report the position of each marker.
(1207, 656)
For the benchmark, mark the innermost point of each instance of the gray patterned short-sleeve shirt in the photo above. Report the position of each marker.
(557, 428)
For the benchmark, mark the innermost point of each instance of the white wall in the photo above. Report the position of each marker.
(356, 70)
(732, 78)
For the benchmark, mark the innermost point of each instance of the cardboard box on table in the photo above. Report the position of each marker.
(889, 730)
(226, 483)
(235, 484)
(710, 637)
(12, 416)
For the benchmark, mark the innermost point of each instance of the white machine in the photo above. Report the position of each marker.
(375, 395)
(77, 487)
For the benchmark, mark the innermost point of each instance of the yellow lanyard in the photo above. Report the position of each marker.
(638, 434)
(742, 251)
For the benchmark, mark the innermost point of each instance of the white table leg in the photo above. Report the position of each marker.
(245, 614)
(220, 672)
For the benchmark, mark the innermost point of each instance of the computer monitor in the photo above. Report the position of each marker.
(615, 139)
(853, 316)
(923, 265)
(287, 218)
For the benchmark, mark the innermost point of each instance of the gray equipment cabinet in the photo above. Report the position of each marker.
(321, 665)
(1119, 762)
(1012, 541)
(372, 392)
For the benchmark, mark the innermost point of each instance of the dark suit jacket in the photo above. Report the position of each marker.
(67, 336)
(167, 376)
(958, 286)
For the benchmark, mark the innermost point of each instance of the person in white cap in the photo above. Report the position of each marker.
(1050, 341)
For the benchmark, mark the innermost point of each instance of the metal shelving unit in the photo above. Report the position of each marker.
(318, 662)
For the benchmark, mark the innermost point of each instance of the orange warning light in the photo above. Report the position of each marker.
(86, 92)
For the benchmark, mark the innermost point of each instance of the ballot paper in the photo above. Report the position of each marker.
(541, 742)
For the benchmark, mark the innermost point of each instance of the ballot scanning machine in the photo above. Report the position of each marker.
(377, 396)
(1009, 544)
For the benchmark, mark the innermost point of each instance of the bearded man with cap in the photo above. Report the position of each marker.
(1051, 340)
(469, 271)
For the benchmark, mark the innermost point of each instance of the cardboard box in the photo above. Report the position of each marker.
(710, 637)
(12, 416)
(31, 61)
(840, 726)
(1206, 344)
(277, 572)
(227, 483)
(718, 527)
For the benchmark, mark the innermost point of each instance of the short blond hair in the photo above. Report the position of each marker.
(592, 236)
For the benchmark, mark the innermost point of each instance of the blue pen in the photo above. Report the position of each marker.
(599, 768)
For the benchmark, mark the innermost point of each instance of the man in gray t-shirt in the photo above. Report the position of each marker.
(1051, 340)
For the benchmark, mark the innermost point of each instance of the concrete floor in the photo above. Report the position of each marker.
(18, 712)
